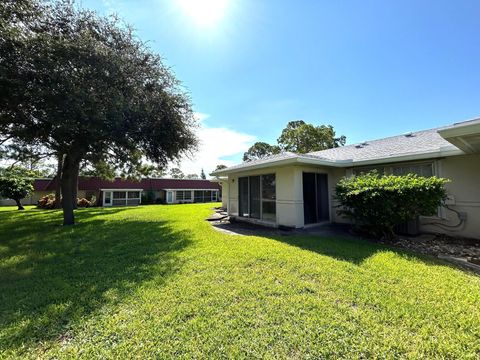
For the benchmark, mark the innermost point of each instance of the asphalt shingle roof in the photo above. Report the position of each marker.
(420, 142)
(425, 141)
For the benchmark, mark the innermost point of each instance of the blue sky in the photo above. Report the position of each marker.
(369, 68)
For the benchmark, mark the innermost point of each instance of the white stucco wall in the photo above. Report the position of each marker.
(289, 190)
(464, 173)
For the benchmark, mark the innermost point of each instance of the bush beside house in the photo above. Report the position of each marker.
(379, 203)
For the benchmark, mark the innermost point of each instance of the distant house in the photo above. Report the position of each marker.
(120, 192)
(297, 190)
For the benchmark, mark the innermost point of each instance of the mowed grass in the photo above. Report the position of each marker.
(159, 282)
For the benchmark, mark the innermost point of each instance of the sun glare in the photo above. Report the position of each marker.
(204, 12)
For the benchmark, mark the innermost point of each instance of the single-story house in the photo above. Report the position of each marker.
(121, 192)
(297, 190)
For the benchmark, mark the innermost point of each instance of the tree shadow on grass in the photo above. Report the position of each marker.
(333, 240)
(351, 249)
(341, 248)
(53, 277)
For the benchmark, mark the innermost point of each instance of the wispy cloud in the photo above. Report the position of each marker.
(216, 143)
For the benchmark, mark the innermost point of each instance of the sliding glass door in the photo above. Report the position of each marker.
(315, 198)
(257, 197)
(269, 198)
(243, 191)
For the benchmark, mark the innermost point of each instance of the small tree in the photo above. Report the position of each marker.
(16, 184)
(191, 176)
(202, 175)
(379, 203)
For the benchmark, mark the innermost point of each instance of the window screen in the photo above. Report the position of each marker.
(418, 169)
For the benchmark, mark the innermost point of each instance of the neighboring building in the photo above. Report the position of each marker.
(120, 192)
(297, 190)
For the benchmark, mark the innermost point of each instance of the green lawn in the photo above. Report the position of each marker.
(158, 281)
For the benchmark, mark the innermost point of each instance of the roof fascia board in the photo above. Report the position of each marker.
(410, 157)
(190, 189)
(120, 189)
(460, 130)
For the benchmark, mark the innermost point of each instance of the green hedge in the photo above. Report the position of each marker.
(379, 203)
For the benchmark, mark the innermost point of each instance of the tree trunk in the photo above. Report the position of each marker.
(58, 189)
(19, 204)
(75, 184)
(70, 168)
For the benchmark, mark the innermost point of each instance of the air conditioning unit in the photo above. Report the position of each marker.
(410, 228)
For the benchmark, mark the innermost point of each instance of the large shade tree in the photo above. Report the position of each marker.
(86, 88)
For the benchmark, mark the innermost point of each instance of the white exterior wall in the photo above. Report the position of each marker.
(289, 192)
(224, 185)
(464, 173)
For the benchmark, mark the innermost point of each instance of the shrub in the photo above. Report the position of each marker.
(148, 198)
(47, 202)
(83, 202)
(379, 203)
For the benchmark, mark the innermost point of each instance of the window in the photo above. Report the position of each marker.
(133, 194)
(119, 194)
(198, 196)
(257, 197)
(364, 170)
(122, 198)
(205, 195)
(183, 195)
(418, 169)
(179, 195)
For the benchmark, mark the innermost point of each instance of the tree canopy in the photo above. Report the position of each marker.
(86, 88)
(300, 137)
(260, 150)
(176, 173)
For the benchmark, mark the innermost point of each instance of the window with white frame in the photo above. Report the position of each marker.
(257, 197)
(205, 195)
(122, 197)
(183, 195)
